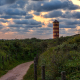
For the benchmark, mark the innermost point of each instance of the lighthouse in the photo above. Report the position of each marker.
(55, 29)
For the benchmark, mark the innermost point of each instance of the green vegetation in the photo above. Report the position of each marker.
(62, 54)
(19, 51)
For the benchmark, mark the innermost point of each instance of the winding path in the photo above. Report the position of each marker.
(18, 72)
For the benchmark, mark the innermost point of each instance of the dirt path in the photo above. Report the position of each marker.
(17, 73)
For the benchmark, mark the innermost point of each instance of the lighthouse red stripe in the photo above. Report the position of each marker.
(55, 35)
(55, 28)
(55, 24)
(55, 31)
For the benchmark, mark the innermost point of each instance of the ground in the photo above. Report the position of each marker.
(18, 72)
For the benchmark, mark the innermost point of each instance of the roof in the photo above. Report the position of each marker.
(56, 21)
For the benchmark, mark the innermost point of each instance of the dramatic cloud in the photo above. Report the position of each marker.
(52, 5)
(15, 12)
(24, 26)
(37, 13)
(30, 22)
(59, 13)
(35, 17)
(63, 25)
(10, 16)
(28, 16)
(67, 26)
(3, 2)
(1, 26)
(2, 20)
(53, 14)
(72, 15)
(75, 22)
(19, 4)
(10, 1)
(66, 23)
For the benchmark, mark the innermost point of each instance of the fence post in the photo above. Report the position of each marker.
(37, 56)
(35, 69)
(43, 72)
(2, 60)
(63, 75)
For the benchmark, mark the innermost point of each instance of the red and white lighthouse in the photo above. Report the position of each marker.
(55, 29)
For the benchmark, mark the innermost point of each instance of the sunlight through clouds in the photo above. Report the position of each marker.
(28, 18)
(76, 2)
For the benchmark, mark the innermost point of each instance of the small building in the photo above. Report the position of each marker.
(55, 29)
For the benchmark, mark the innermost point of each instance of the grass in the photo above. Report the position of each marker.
(30, 73)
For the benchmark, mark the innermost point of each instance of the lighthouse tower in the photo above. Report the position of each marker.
(55, 29)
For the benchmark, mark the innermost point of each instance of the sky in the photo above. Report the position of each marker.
(21, 19)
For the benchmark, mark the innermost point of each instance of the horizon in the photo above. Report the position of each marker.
(36, 38)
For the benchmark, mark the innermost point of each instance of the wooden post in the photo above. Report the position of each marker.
(37, 58)
(63, 75)
(43, 72)
(2, 60)
(35, 69)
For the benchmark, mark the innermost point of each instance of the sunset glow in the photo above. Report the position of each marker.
(35, 18)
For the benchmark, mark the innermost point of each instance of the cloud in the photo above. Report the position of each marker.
(43, 31)
(19, 4)
(28, 16)
(23, 14)
(50, 25)
(67, 26)
(10, 16)
(59, 13)
(2, 20)
(22, 29)
(10, 1)
(24, 26)
(31, 26)
(1, 26)
(16, 25)
(73, 14)
(2, 9)
(3, 2)
(69, 31)
(53, 14)
(14, 12)
(38, 0)
(37, 13)
(66, 23)
(74, 22)
(30, 22)
(52, 5)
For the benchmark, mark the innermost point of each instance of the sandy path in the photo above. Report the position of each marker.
(17, 73)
